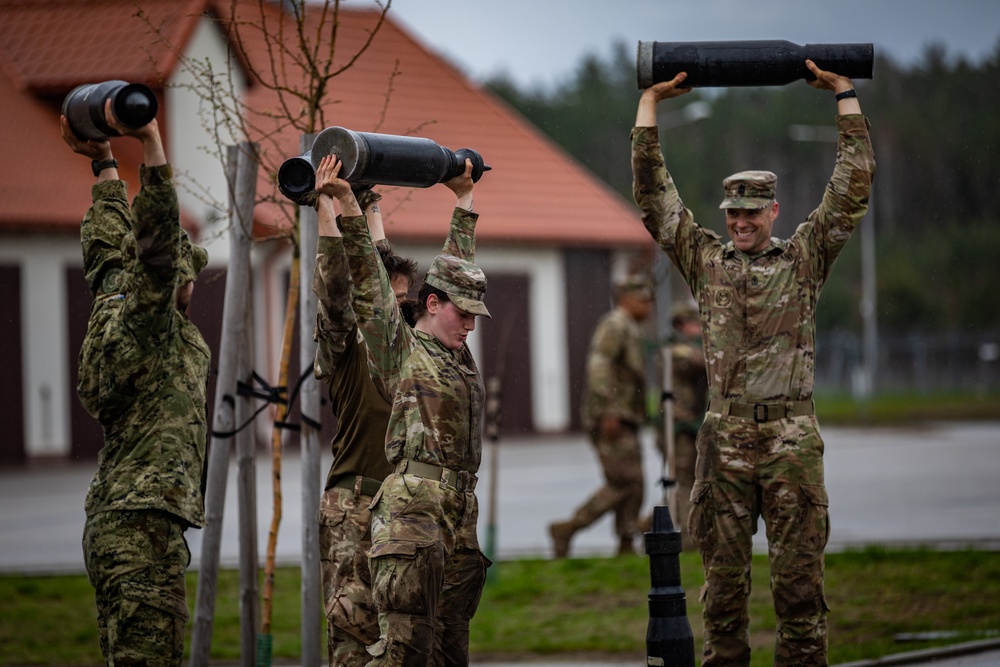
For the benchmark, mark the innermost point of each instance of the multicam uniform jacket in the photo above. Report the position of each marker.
(616, 372)
(758, 311)
(362, 391)
(438, 404)
(143, 364)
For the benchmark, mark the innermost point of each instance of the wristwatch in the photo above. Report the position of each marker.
(97, 166)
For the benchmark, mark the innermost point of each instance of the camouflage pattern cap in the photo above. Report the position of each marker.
(635, 283)
(461, 280)
(192, 260)
(749, 189)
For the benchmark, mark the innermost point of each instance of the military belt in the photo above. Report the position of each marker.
(457, 479)
(369, 486)
(762, 412)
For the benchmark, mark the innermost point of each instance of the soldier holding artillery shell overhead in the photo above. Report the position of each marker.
(143, 375)
(760, 453)
(427, 570)
(360, 401)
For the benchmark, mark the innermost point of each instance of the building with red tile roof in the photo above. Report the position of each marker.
(549, 236)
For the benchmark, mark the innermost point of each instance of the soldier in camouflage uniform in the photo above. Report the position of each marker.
(690, 392)
(426, 565)
(690, 389)
(143, 374)
(759, 450)
(361, 404)
(614, 407)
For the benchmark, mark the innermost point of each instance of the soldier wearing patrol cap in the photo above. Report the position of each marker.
(360, 401)
(427, 570)
(759, 451)
(613, 409)
(143, 374)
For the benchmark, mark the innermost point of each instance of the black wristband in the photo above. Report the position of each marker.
(97, 166)
(847, 93)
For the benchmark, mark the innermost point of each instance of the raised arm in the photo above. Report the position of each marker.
(845, 199)
(374, 302)
(332, 284)
(461, 241)
(663, 213)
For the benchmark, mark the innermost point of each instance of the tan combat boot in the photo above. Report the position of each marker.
(562, 532)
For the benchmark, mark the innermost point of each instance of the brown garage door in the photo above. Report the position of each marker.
(12, 445)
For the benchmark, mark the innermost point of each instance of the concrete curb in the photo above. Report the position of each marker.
(929, 655)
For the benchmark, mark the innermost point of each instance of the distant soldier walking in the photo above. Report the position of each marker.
(143, 375)
(614, 407)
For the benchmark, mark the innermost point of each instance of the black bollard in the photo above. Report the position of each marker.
(387, 159)
(296, 177)
(669, 641)
(774, 62)
(134, 105)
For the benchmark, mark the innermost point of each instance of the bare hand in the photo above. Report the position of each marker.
(665, 90)
(462, 184)
(827, 80)
(328, 179)
(149, 131)
(95, 150)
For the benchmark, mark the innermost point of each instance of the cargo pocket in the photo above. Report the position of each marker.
(815, 525)
(700, 524)
(403, 574)
(152, 618)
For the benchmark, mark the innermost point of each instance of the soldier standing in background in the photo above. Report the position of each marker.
(143, 375)
(759, 451)
(690, 394)
(614, 407)
(362, 405)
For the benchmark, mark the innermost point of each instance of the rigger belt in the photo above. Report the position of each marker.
(762, 412)
(457, 479)
(369, 486)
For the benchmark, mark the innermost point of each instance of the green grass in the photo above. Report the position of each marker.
(895, 409)
(572, 609)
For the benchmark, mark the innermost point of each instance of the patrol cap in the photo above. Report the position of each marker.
(192, 260)
(461, 280)
(635, 283)
(749, 189)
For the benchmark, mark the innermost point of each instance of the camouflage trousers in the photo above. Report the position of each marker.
(622, 492)
(773, 470)
(135, 560)
(427, 572)
(684, 461)
(344, 536)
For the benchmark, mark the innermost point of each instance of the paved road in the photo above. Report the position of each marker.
(933, 484)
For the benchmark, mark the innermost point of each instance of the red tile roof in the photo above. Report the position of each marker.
(535, 195)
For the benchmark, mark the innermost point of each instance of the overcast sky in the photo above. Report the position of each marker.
(539, 42)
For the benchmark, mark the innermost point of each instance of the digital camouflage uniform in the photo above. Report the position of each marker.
(362, 405)
(615, 387)
(143, 374)
(759, 450)
(426, 566)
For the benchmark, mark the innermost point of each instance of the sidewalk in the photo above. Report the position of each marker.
(934, 485)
